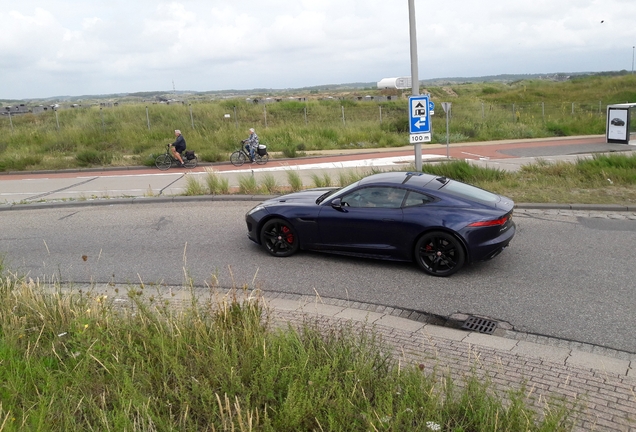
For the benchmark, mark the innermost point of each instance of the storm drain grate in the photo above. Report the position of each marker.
(480, 325)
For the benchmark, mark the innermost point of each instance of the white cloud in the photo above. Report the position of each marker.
(76, 47)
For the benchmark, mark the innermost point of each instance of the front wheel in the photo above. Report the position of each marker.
(191, 163)
(279, 238)
(237, 158)
(261, 160)
(439, 253)
(163, 162)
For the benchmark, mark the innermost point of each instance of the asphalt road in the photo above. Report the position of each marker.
(567, 275)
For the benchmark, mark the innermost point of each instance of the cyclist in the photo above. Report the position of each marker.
(251, 143)
(178, 146)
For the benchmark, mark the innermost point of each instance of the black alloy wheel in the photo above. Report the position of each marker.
(279, 238)
(439, 253)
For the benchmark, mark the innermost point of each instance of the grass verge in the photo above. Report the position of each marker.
(85, 362)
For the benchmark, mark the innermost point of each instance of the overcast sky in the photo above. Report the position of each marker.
(81, 47)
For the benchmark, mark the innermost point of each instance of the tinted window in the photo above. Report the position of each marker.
(416, 198)
(385, 197)
(464, 190)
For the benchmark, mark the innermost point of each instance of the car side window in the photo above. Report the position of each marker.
(415, 198)
(385, 197)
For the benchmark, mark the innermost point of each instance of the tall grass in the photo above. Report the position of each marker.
(294, 180)
(270, 184)
(123, 135)
(194, 186)
(321, 180)
(216, 184)
(248, 185)
(85, 362)
(607, 179)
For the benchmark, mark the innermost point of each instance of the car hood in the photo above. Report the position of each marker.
(308, 196)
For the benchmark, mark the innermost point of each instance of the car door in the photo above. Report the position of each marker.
(367, 221)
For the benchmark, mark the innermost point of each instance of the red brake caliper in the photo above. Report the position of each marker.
(289, 237)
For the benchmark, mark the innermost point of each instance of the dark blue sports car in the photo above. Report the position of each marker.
(437, 222)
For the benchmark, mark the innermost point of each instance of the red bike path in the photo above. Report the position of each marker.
(490, 150)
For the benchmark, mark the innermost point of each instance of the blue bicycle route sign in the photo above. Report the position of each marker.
(420, 108)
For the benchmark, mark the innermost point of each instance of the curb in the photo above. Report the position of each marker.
(259, 198)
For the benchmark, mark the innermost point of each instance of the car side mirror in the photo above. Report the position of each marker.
(337, 204)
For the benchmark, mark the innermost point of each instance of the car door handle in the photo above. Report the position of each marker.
(388, 220)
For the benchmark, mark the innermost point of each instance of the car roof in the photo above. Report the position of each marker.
(419, 180)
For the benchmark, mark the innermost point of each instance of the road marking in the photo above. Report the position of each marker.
(478, 156)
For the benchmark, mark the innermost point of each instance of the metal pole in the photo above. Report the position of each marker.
(447, 134)
(265, 115)
(633, 59)
(147, 117)
(343, 117)
(101, 114)
(380, 113)
(57, 121)
(235, 118)
(415, 82)
(543, 111)
(191, 118)
(305, 116)
(10, 121)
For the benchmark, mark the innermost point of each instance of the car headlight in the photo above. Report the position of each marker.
(256, 209)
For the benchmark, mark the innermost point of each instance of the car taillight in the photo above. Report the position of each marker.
(495, 222)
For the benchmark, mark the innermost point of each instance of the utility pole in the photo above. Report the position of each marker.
(415, 82)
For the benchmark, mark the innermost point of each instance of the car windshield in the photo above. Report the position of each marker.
(324, 196)
(463, 190)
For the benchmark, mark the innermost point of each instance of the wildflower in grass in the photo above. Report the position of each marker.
(433, 426)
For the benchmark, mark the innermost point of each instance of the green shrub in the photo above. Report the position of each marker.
(19, 163)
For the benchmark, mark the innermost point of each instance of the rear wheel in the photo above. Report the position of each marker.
(439, 253)
(163, 162)
(279, 238)
(237, 158)
(261, 160)
(190, 163)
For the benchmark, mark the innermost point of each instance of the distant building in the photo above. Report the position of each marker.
(16, 109)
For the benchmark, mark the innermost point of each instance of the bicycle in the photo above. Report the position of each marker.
(240, 156)
(166, 160)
